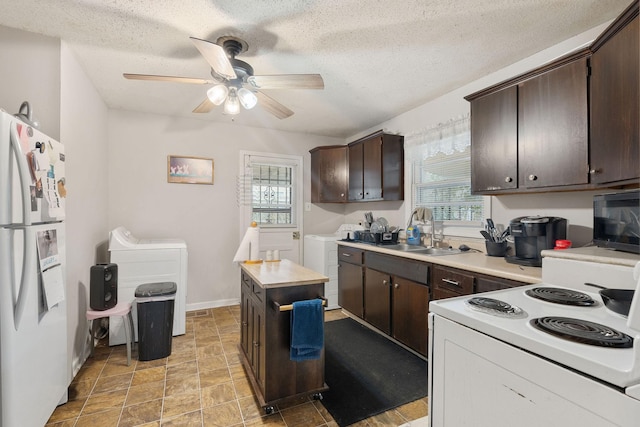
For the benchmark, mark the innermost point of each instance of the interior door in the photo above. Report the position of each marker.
(272, 196)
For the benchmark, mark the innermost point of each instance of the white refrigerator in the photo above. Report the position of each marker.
(35, 369)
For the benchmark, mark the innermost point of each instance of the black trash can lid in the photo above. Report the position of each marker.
(156, 289)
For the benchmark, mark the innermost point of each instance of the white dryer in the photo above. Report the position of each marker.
(147, 261)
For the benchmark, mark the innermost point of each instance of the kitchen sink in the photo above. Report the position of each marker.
(416, 249)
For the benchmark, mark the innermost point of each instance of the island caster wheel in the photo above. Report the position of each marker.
(317, 396)
(268, 410)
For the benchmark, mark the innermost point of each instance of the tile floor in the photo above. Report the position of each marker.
(202, 383)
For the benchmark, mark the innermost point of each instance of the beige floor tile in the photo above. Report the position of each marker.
(414, 410)
(103, 401)
(182, 384)
(70, 410)
(212, 363)
(182, 369)
(149, 375)
(145, 393)
(192, 419)
(215, 377)
(112, 383)
(250, 408)
(305, 415)
(141, 413)
(217, 394)
(274, 420)
(181, 404)
(223, 415)
(107, 418)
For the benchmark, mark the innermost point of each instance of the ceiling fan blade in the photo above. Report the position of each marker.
(216, 57)
(191, 80)
(204, 107)
(273, 106)
(287, 81)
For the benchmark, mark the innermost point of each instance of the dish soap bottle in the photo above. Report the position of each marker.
(413, 235)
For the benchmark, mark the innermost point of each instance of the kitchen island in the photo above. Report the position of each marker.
(267, 291)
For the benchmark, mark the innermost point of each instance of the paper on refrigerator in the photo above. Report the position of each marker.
(50, 266)
(249, 248)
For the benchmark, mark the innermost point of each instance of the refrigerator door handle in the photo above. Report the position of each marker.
(23, 172)
(29, 259)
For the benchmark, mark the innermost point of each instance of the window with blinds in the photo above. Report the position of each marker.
(440, 160)
(443, 183)
(272, 194)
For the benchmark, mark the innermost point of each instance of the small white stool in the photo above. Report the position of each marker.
(121, 309)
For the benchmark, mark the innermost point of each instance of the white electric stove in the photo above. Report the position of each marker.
(547, 354)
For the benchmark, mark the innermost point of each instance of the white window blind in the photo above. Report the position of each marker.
(441, 172)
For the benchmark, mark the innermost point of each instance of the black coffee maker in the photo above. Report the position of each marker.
(532, 234)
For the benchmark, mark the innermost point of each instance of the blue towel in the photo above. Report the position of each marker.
(307, 330)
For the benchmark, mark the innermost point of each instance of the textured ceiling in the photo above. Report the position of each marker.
(378, 58)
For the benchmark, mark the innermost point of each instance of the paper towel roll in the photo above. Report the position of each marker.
(249, 248)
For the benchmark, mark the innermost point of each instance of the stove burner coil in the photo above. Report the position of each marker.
(561, 296)
(495, 307)
(583, 331)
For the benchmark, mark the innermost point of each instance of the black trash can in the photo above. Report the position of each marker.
(155, 302)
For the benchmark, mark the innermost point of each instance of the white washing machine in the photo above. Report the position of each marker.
(147, 261)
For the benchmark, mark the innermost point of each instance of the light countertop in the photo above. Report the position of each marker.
(282, 273)
(471, 261)
(595, 254)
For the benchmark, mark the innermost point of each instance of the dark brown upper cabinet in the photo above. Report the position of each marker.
(615, 63)
(553, 131)
(376, 168)
(494, 136)
(329, 174)
(572, 124)
(530, 133)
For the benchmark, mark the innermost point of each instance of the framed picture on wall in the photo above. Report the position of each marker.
(189, 170)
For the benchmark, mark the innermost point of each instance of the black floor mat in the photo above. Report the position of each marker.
(367, 374)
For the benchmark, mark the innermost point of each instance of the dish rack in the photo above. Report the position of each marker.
(382, 238)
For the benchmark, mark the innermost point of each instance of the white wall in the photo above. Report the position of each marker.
(575, 206)
(83, 130)
(205, 216)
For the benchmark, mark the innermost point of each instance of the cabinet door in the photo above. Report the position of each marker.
(372, 168)
(258, 356)
(494, 141)
(329, 174)
(553, 127)
(246, 332)
(615, 93)
(410, 313)
(356, 171)
(377, 299)
(350, 291)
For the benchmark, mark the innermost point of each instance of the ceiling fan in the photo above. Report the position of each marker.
(234, 82)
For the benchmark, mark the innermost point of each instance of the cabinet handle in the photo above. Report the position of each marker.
(532, 177)
(396, 286)
(359, 194)
(508, 179)
(594, 171)
(451, 282)
(341, 194)
(384, 282)
(256, 344)
(244, 323)
(347, 255)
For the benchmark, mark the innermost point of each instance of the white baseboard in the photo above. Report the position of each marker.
(212, 304)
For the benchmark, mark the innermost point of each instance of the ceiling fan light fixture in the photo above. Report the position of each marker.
(232, 104)
(217, 94)
(247, 98)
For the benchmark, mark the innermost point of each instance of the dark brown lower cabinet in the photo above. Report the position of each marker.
(350, 280)
(450, 282)
(377, 299)
(265, 343)
(410, 313)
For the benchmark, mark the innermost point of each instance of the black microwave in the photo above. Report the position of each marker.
(616, 221)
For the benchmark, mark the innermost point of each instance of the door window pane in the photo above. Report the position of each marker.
(272, 194)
